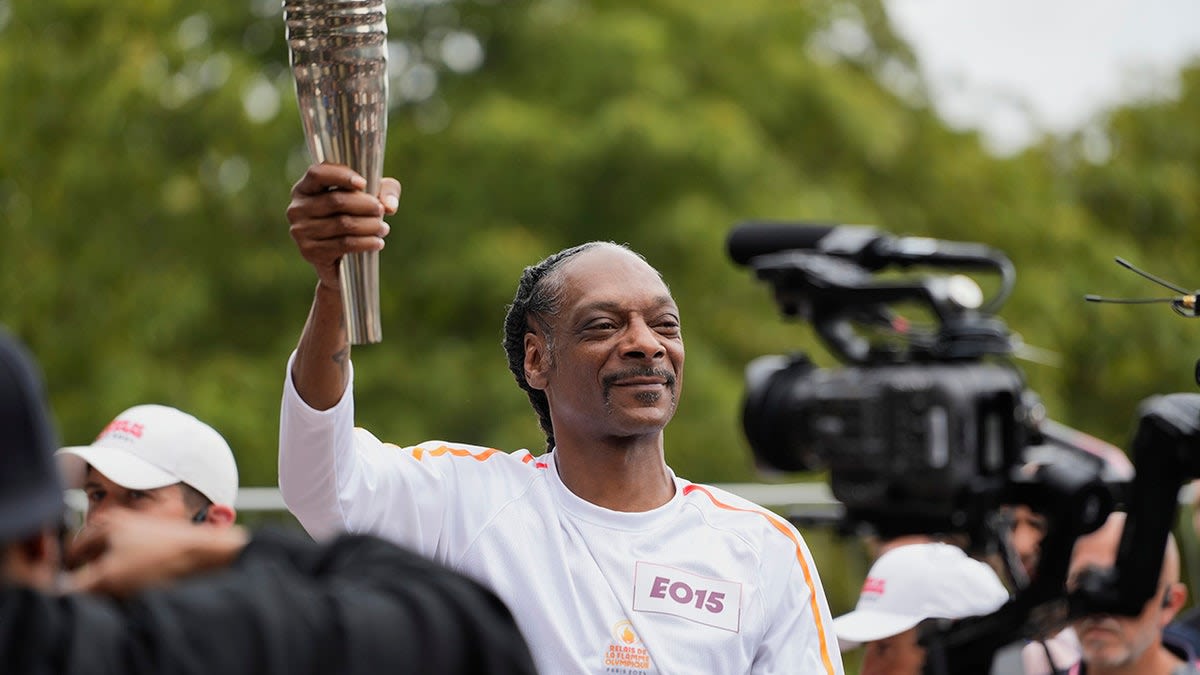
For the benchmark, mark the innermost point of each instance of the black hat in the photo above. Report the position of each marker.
(30, 492)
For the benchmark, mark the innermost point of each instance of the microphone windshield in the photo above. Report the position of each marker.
(754, 238)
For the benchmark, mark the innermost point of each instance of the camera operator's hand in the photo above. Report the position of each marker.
(123, 553)
(331, 216)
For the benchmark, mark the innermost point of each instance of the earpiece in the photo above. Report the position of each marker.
(201, 515)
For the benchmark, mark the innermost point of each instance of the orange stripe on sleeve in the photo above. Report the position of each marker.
(419, 453)
(808, 580)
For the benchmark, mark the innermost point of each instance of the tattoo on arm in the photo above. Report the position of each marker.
(341, 356)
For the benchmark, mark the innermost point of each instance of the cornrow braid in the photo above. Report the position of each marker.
(539, 294)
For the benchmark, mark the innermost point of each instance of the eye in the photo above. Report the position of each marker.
(137, 495)
(95, 496)
(668, 326)
(604, 324)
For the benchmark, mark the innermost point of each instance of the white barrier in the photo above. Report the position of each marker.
(771, 495)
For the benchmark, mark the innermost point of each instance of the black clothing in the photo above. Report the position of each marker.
(29, 483)
(286, 605)
(1184, 632)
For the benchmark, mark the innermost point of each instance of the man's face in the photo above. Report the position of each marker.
(1118, 641)
(896, 655)
(103, 495)
(1113, 641)
(1028, 530)
(615, 367)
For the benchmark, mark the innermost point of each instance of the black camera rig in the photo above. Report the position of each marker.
(931, 428)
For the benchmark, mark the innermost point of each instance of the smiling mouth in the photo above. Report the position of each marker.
(640, 383)
(646, 385)
(641, 377)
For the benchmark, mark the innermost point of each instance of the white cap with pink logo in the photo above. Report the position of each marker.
(911, 583)
(153, 446)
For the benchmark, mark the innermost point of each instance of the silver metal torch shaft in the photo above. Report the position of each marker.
(338, 52)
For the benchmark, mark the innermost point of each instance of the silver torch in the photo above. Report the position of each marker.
(338, 51)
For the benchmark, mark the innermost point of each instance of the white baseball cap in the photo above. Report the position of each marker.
(911, 583)
(153, 446)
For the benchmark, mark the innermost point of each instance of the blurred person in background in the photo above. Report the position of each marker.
(1027, 528)
(1185, 629)
(907, 585)
(1055, 653)
(156, 460)
(609, 560)
(160, 595)
(1124, 645)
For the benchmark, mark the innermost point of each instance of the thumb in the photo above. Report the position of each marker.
(389, 194)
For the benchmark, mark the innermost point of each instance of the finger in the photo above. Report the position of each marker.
(101, 578)
(329, 251)
(87, 579)
(324, 177)
(389, 194)
(336, 203)
(337, 227)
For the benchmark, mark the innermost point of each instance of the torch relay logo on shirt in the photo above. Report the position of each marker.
(625, 653)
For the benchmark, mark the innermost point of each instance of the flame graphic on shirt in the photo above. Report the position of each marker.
(623, 632)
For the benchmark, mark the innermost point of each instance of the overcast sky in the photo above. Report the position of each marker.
(998, 65)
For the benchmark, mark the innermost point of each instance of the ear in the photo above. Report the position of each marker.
(1173, 599)
(220, 515)
(537, 360)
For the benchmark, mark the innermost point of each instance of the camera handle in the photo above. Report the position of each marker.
(1166, 452)
(834, 294)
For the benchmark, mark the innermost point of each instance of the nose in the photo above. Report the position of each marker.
(642, 342)
(94, 511)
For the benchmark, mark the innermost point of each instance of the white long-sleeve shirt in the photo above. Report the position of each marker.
(707, 583)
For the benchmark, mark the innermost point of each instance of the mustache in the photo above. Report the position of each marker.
(612, 378)
(1103, 621)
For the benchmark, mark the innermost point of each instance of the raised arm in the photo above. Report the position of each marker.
(331, 216)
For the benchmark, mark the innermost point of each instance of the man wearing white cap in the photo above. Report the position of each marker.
(904, 587)
(158, 460)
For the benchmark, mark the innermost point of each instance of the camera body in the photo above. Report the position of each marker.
(910, 447)
(920, 431)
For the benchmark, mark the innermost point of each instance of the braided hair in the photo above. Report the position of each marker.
(539, 295)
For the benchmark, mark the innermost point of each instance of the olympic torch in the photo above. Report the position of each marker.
(338, 51)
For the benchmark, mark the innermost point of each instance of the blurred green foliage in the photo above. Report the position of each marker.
(147, 151)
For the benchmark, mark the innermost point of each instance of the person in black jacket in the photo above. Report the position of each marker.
(156, 596)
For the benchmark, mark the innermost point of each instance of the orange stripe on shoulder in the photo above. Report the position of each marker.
(537, 463)
(419, 453)
(483, 456)
(808, 579)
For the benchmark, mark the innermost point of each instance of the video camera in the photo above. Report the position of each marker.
(931, 428)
